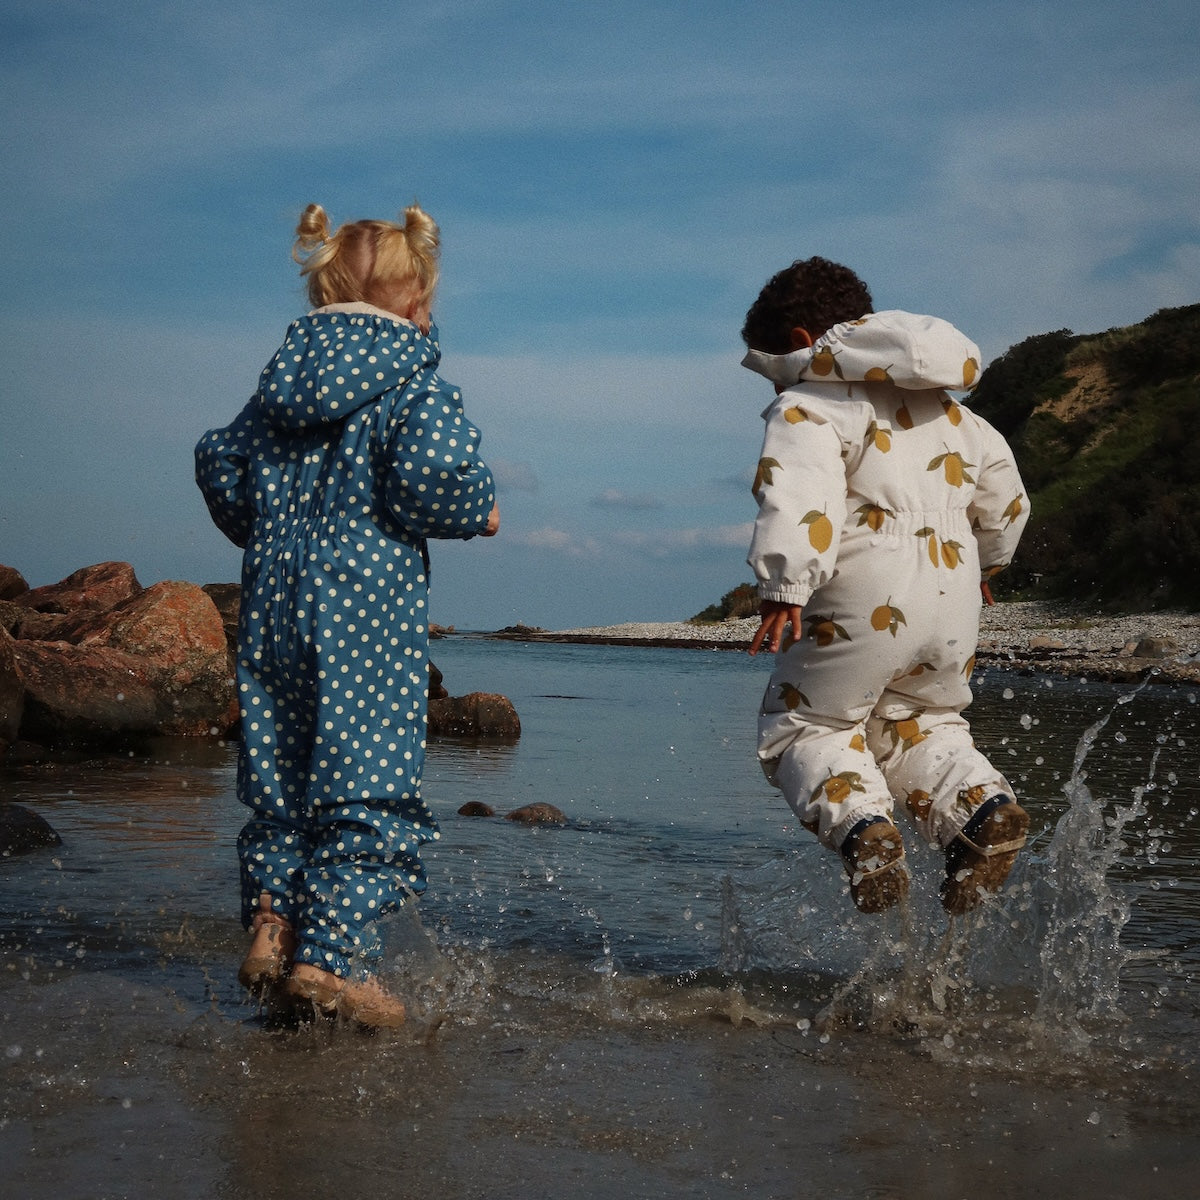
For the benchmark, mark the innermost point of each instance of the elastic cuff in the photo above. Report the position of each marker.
(784, 595)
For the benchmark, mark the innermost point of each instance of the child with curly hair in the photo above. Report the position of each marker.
(884, 506)
(351, 453)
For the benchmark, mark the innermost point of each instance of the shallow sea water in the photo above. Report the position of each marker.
(671, 996)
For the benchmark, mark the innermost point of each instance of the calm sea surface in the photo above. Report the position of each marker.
(672, 995)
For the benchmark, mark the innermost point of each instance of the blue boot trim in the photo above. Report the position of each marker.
(850, 838)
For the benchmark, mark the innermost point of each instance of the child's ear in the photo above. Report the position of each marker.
(800, 338)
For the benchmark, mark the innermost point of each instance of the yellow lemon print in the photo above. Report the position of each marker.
(859, 743)
(972, 797)
(1013, 511)
(792, 697)
(763, 476)
(838, 788)
(928, 532)
(918, 803)
(952, 554)
(823, 361)
(824, 630)
(970, 371)
(820, 530)
(794, 415)
(887, 616)
(953, 412)
(953, 466)
(878, 374)
(906, 733)
(872, 516)
(904, 417)
(920, 669)
(878, 436)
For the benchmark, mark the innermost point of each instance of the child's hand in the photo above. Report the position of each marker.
(776, 617)
(493, 521)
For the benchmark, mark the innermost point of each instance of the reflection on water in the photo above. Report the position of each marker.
(681, 894)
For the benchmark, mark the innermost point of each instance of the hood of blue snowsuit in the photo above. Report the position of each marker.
(333, 364)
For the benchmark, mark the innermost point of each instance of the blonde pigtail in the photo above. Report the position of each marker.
(391, 265)
(424, 244)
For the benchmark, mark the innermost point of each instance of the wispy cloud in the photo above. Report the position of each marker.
(613, 183)
(616, 498)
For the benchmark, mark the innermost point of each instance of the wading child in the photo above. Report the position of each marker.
(883, 505)
(351, 454)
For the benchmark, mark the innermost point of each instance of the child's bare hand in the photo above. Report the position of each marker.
(493, 523)
(776, 617)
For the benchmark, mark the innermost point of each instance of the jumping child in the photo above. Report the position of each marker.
(883, 508)
(352, 452)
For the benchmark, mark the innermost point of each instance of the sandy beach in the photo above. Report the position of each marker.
(1027, 635)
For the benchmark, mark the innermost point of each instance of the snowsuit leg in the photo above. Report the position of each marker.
(333, 681)
(866, 708)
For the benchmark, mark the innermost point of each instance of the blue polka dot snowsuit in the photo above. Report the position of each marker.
(352, 452)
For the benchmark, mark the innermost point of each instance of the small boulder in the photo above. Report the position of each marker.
(437, 686)
(1156, 647)
(476, 808)
(12, 583)
(95, 588)
(478, 714)
(537, 814)
(1044, 641)
(227, 598)
(22, 830)
(156, 662)
(12, 694)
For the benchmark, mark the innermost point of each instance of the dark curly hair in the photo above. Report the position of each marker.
(813, 293)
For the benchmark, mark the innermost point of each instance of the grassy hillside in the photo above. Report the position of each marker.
(1105, 428)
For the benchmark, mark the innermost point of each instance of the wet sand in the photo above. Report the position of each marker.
(530, 1102)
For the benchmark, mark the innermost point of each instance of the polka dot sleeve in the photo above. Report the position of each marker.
(222, 475)
(437, 485)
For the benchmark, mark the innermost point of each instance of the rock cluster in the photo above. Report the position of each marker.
(98, 657)
(99, 660)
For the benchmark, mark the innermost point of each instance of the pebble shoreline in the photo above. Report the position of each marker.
(1027, 635)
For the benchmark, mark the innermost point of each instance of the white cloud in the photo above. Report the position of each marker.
(513, 476)
(616, 498)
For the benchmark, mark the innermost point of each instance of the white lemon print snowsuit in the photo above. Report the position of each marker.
(882, 504)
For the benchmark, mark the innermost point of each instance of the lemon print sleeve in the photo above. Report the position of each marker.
(882, 502)
(800, 488)
(999, 508)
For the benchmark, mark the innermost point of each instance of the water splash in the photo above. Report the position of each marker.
(910, 972)
(1081, 953)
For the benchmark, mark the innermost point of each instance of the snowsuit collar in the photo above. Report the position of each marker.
(906, 349)
(337, 360)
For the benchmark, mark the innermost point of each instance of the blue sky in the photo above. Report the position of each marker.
(614, 184)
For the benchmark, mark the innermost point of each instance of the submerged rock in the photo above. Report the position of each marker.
(537, 814)
(478, 714)
(476, 808)
(22, 830)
